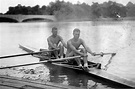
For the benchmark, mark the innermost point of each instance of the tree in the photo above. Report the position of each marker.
(43, 10)
(10, 11)
(130, 9)
(96, 10)
(67, 10)
(55, 6)
(35, 10)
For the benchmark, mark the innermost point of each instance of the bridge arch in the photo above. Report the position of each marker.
(36, 19)
(7, 19)
(25, 18)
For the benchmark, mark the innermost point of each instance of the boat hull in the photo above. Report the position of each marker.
(92, 71)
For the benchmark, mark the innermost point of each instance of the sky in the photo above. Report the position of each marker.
(5, 4)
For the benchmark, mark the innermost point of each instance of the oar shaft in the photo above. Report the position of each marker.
(22, 65)
(66, 58)
(15, 55)
(106, 54)
(23, 54)
(54, 60)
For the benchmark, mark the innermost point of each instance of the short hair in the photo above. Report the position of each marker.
(54, 28)
(76, 30)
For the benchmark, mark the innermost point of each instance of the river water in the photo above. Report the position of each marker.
(100, 36)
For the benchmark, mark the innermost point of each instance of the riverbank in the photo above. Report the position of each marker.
(52, 18)
(29, 78)
(99, 19)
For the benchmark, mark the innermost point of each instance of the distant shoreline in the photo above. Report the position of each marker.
(72, 20)
(99, 19)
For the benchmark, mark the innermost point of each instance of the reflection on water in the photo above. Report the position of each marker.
(118, 37)
(78, 78)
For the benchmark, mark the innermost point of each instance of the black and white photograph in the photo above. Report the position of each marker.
(67, 44)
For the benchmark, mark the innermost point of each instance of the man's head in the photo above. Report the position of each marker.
(76, 33)
(54, 31)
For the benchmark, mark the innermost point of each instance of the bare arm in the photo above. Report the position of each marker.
(51, 44)
(62, 41)
(87, 48)
(74, 49)
(64, 44)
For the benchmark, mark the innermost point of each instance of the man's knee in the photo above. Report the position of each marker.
(70, 54)
(83, 50)
(60, 45)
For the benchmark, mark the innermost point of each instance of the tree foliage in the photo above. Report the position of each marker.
(96, 10)
(130, 9)
(66, 10)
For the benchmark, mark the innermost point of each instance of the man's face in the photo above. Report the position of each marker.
(54, 32)
(76, 34)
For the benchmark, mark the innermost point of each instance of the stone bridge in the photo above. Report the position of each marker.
(25, 18)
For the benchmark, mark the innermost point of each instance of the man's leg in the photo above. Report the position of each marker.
(61, 50)
(84, 58)
(69, 54)
(54, 53)
(78, 60)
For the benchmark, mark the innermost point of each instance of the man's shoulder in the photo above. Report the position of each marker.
(69, 40)
(49, 37)
(80, 39)
(59, 37)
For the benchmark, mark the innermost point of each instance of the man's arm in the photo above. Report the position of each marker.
(50, 43)
(74, 49)
(62, 41)
(87, 48)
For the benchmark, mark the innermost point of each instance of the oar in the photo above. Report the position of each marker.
(106, 66)
(63, 59)
(23, 54)
(102, 54)
(112, 55)
(54, 60)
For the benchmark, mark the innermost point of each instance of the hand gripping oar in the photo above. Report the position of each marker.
(54, 60)
(23, 54)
